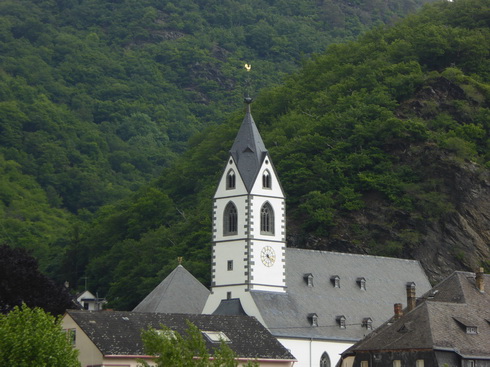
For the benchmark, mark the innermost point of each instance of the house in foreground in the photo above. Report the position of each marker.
(113, 338)
(450, 327)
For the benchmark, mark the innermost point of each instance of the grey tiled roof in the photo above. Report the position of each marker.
(438, 322)
(230, 307)
(118, 332)
(179, 292)
(286, 314)
(248, 150)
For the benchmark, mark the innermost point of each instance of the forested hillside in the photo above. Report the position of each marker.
(98, 96)
(382, 146)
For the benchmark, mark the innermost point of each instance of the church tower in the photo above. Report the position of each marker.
(249, 237)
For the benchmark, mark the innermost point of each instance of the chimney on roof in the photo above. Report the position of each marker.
(398, 310)
(411, 299)
(479, 281)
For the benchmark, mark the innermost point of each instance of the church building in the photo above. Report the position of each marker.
(316, 303)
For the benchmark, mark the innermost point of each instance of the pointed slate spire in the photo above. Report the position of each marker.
(248, 150)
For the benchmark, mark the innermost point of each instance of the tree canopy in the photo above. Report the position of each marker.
(32, 337)
(22, 283)
(175, 350)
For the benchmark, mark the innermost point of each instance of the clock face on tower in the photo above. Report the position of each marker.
(268, 256)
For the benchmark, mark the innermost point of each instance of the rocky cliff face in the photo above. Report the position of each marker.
(460, 239)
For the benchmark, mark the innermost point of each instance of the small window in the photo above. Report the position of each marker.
(397, 363)
(364, 363)
(230, 265)
(335, 281)
(266, 180)
(85, 305)
(228, 295)
(471, 330)
(470, 363)
(325, 360)
(362, 283)
(230, 220)
(71, 335)
(230, 180)
(367, 323)
(267, 219)
(341, 321)
(419, 363)
(313, 317)
(309, 279)
(216, 336)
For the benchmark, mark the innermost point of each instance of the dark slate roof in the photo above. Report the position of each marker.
(230, 307)
(169, 296)
(439, 321)
(286, 314)
(248, 150)
(118, 332)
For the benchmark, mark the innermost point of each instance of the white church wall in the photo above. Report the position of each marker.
(277, 204)
(264, 275)
(239, 189)
(219, 209)
(229, 251)
(309, 352)
(275, 189)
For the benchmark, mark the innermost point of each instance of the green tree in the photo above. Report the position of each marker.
(21, 282)
(175, 350)
(32, 337)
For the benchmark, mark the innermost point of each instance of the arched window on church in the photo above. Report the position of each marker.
(230, 220)
(324, 360)
(266, 219)
(266, 180)
(230, 180)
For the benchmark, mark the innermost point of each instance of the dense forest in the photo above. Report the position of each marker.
(98, 96)
(364, 135)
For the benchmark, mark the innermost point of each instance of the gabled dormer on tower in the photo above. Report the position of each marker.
(248, 219)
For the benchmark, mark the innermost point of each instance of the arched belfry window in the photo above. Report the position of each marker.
(230, 180)
(230, 219)
(266, 180)
(267, 219)
(325, 360)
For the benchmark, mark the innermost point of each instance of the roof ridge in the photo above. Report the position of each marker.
(352, 254)
(431, 335)
(167, 281)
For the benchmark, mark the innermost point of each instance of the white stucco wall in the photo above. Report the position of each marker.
(88, 352)
(277, 203)
(239, 189)
(229, 251)
(220, 204)
(275, 189)
(269, 278)
(309, 352)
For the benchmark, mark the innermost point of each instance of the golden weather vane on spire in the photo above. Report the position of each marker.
(248, 67)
